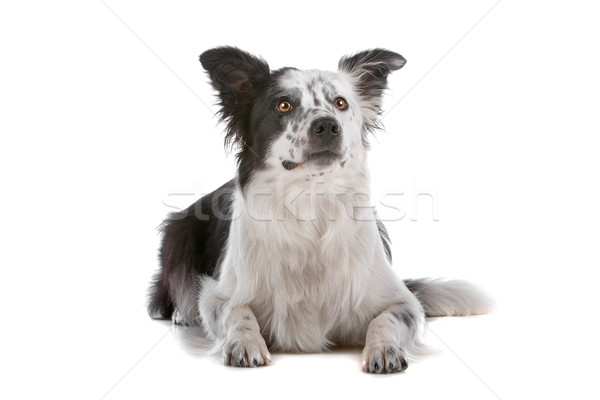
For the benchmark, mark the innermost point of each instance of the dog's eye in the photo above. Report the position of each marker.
(340, 104)
(284, 106)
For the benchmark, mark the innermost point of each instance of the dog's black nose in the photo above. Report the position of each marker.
(325, 127)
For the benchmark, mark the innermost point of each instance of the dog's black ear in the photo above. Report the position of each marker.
(369, 70)
(233, 73)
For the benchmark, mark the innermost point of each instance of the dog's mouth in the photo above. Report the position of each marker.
(319, 158)
(322, 158)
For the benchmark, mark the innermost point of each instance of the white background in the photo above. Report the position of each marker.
(104, 123)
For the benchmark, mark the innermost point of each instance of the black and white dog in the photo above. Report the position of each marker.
(289, 255)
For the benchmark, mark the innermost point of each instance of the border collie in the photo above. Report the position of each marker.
(289, 255)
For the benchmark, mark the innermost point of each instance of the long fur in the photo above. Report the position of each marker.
(289, 255)
(444, 298)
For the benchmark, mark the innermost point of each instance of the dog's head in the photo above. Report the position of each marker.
(299, 123)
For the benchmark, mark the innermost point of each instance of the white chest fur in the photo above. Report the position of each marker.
(309, 262)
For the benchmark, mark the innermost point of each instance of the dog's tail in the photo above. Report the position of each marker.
(441, 298)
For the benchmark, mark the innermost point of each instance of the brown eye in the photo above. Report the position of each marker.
(340, 104)
(284, 106)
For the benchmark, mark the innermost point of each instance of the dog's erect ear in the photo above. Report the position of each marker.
(369, 70)
(233, 72)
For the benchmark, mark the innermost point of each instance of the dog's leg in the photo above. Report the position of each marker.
(235, 329)
(389, 335)
(244, 345)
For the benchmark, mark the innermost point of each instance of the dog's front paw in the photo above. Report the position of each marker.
(246, 350)
(384, 359)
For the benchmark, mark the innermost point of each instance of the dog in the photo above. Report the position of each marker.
(289, 255)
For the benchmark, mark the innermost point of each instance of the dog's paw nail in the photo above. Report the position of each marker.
(375, 367)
